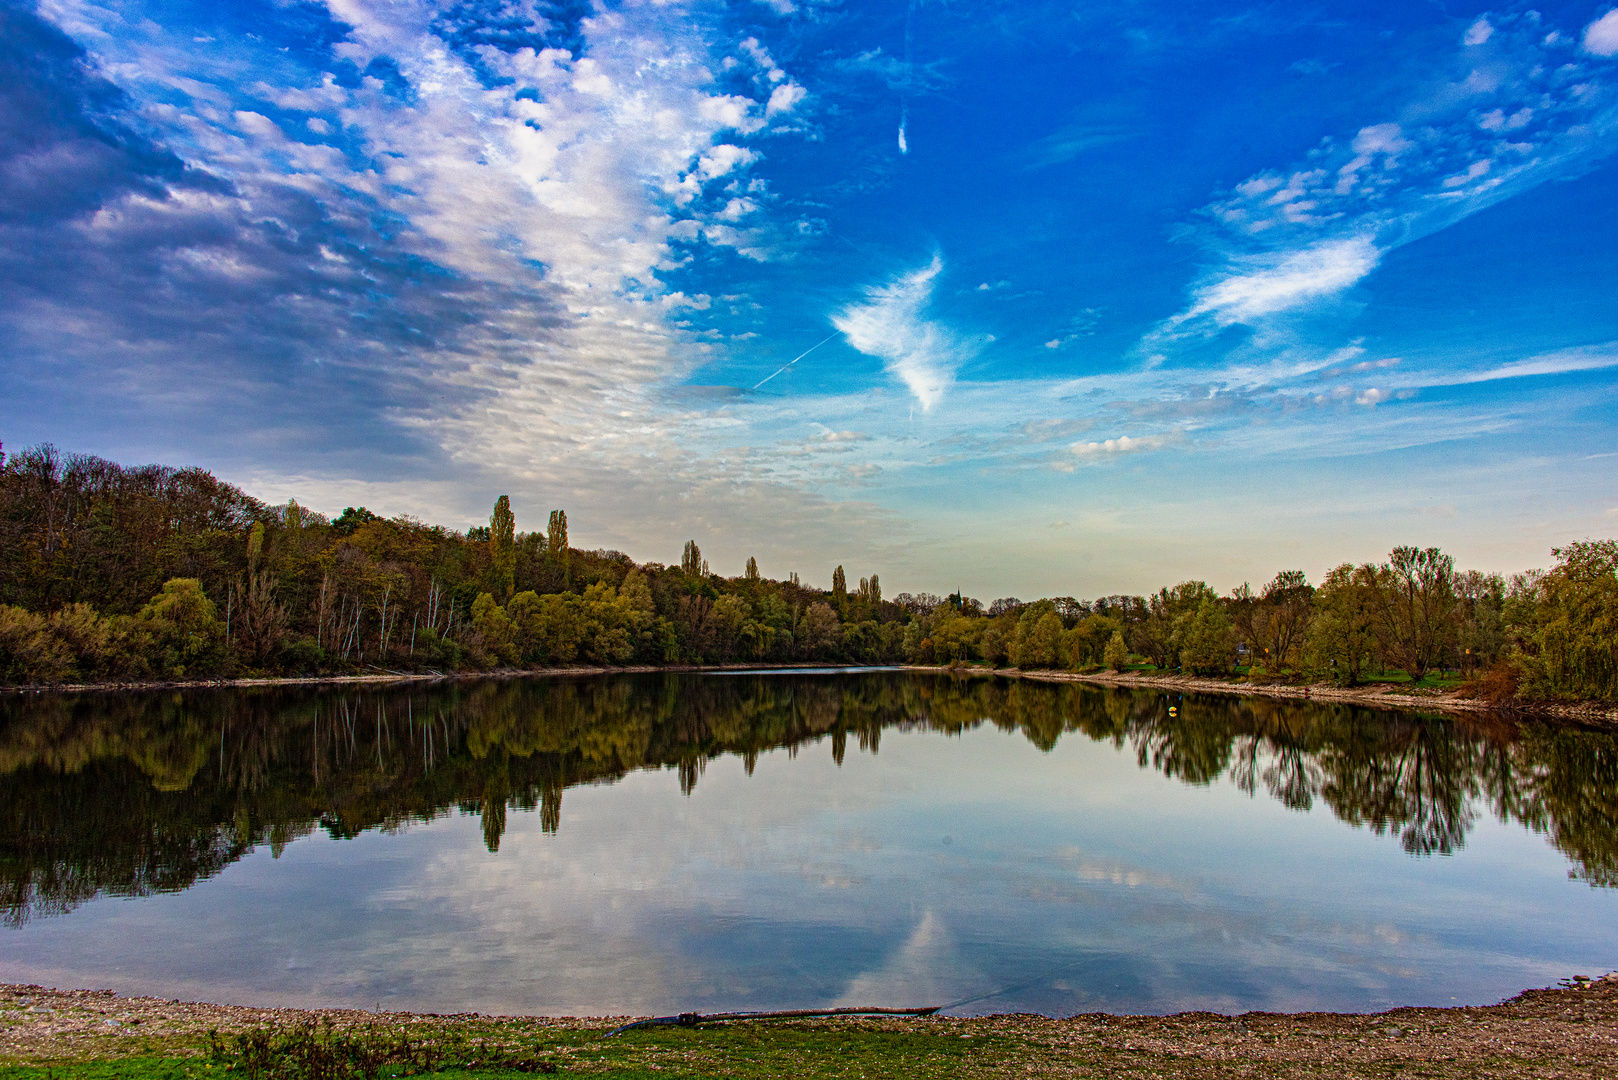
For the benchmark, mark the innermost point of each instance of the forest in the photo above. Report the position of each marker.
(111, 573)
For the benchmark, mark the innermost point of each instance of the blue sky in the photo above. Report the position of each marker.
(1106, 295)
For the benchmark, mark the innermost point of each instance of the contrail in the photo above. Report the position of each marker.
(904, 89)
(795, 359)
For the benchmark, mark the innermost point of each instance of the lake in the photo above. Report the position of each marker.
(665, 843)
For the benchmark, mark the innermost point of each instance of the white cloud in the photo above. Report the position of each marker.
(696, 302)
(1479, 32)
(1601, 36)
(1252, 290)
(1386, 140)
(1124, 444)
(1497, 120)
(1587, 358)
(722, 159)
(892, 326)
(785, 98)
(1473, 171)
(786, 95)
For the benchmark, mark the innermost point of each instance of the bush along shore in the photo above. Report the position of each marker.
(128, 575)
(1565, 1031)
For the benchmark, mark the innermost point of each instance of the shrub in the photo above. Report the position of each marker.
(29, 652)
(303, 656)
(186, 637)
(1497, 685)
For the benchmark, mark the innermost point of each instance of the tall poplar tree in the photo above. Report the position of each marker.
(839, 586)
(503, 546)
(556, 532)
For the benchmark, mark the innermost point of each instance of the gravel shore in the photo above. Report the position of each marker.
(1570, 1031)
(1593, 714)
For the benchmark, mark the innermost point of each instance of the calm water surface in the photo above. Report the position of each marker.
(665, 843)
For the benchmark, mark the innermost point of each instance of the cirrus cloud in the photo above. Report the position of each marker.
(892, 325)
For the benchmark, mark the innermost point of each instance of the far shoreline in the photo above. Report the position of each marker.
(1600, 714)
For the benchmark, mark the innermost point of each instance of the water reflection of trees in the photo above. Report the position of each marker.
(136, 794)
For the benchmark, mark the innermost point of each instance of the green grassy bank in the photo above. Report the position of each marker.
(1570, 1031)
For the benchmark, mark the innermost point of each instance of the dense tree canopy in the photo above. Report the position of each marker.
(112, 573)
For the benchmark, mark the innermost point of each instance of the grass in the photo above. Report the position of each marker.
(1567, 1031)
(512, 1050)
(1407, 1043)
(1433, 680)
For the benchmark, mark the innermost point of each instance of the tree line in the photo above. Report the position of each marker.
(110, 572)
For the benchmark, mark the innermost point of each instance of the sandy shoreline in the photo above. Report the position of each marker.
(383, 677)
(1568, 1031)
(1598, 714)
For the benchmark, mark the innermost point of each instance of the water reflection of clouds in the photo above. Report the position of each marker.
(924, 969)
(1072, 879)
(950, 923)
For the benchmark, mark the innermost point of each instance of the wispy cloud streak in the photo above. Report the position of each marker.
(1518, 105)
(892, 324)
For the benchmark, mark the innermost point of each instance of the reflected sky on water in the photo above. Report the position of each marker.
(643, 844)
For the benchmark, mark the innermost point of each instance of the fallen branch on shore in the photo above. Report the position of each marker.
(692, 1019)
